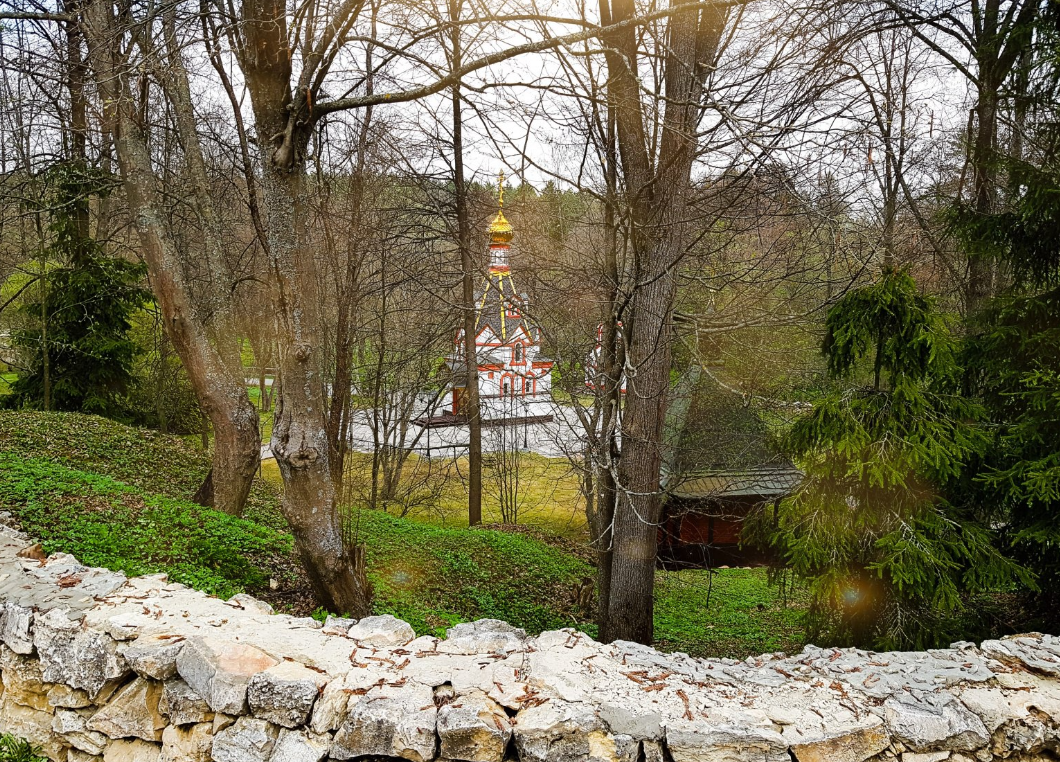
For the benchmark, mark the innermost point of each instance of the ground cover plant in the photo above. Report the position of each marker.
(14, 749)
(115, 496)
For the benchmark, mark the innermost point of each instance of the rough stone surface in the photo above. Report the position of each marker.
(192, 743)
(284, 694)
(382, 631)
(182, 705)
(247, 740)
(300, 746)
(153, 655)
(132, 713)
(219, 670)
(99, 668)
(396, 720)
(473, 728)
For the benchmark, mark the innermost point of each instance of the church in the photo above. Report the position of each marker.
(514, 377)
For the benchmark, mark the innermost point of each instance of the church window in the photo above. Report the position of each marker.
(517, 353)
(506, 387)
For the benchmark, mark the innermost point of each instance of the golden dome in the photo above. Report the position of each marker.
(501, 230)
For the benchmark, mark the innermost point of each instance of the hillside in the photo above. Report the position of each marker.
(116, 496)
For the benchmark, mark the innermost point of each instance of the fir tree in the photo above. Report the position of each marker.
(1013, 352)
(78, 351)
(887, 556)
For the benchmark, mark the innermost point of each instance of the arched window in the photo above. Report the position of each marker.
(517, 353)
(506, 387)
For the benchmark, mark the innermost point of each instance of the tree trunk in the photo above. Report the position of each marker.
(984, 185)
(222, 397)
(472, 408)
(657, 194)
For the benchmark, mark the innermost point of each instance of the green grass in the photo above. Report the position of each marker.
(116, 496)
(742, 616)
(13, 749)
(107, 523)
(153, 462)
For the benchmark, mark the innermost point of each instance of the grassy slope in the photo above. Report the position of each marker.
(117, 497)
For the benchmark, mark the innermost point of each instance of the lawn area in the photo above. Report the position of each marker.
(437, 494)
(117, 497)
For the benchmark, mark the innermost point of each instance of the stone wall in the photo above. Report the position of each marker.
(96, 667)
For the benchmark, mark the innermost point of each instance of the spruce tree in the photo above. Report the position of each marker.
(887, 556)
(77, 350)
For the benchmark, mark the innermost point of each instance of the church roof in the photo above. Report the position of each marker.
(500, 306)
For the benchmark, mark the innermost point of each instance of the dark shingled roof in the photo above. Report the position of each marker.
(494, 300)
(719, 446)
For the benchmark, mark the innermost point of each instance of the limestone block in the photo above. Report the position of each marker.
(383, 631)
(392, 720)
(329, 711)
(24, 681)
(247, 740)
(337, 625)
(700, 741)
(250, 603)
(857, 745)
(182, 705)
(132, 751)
(78, 657)
(927, 756)
(16, 624)
(32, 724)
(483, 636)
(473, 728)
(73, 727)
(560, 731)
(187, 744)
(153, 655)
(219, 670)
(300, 746)
(132, 713)
(65, 696)
(76, 755)
(284, 694)
(937, 722)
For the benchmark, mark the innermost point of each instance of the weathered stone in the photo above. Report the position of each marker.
(250, 603)
(23, 681)
(65, 696)
(559, 730)
(76, 755)
(338, 625)
(937, 722)
(132, 713)
(690, 741)
(220, 671)
(80, 658)
(31, 724)
(382, 631)
(284, 694)
(247, 740)
(398, 721)
(153, 656)
(182, 705)
(329, 711)
(854, 746)
(300, 746)
(16, 624)
(132, 751)
(483, 636)
(473, 728)
(187, 744)
(72, 726)
(927, 756)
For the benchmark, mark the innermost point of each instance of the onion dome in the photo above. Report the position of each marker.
(501, 232)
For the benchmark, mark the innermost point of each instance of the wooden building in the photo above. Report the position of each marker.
(720, 465)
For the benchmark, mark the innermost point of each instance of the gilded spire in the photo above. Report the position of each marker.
(501, 232)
